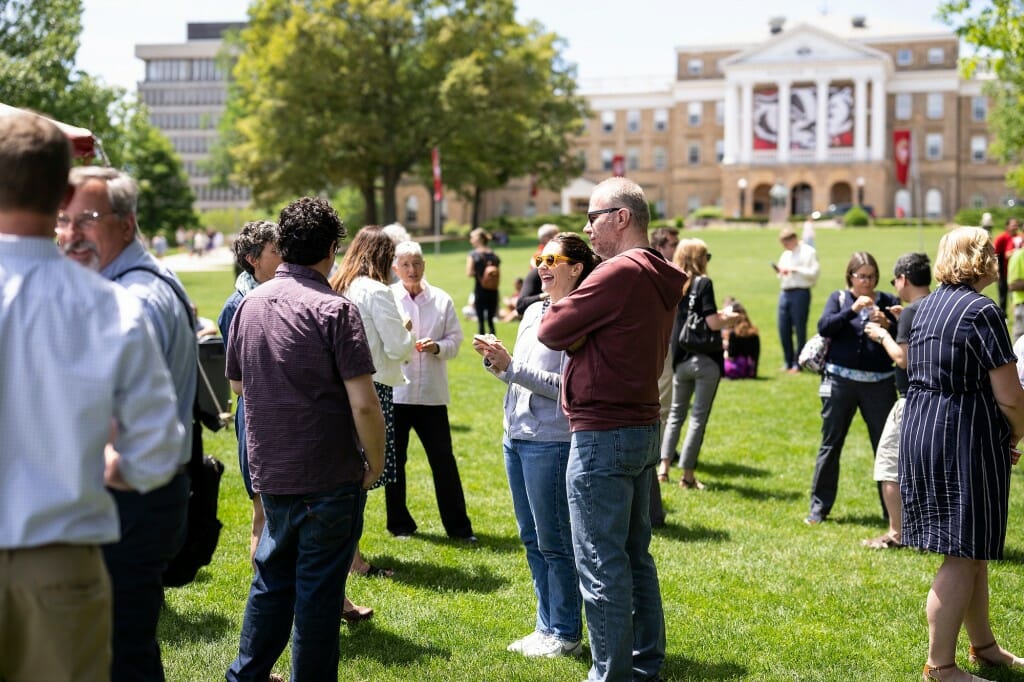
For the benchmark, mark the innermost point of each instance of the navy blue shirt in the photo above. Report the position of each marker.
(850, 346)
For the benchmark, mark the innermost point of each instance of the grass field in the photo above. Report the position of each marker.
(750, 592)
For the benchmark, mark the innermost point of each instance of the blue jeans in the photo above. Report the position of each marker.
(536, 477)
(609, 485)
(302, 561)
(794, 306)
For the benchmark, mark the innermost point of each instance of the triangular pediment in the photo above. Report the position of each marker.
(580, 187)
(803, 44)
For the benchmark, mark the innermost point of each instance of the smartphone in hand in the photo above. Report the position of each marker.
(774, 267)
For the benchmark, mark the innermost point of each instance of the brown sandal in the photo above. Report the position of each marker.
(929, 669)
(975, 657)
(691, 485)
(663, 478)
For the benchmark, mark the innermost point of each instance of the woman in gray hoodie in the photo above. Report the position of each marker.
(536, 446)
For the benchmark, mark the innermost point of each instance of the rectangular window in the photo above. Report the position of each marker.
(934, 108)
(581, 157)
(660, 158)
(979, 148)
(694, 112)
(607, 156)
(632, 158)
(693, 153)
(936, 55)
(633, 121)
(904, 106)
(661, 120)
(720, 111)
(904, 57)
(695, 67)
(660, 206)
(933, 146)
(692, 203)
(607, 121)
(719, 150)
(979, 108)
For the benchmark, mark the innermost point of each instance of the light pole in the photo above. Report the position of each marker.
(742, 185)
(860, 190)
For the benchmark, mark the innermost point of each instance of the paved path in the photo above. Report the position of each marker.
(218, 259)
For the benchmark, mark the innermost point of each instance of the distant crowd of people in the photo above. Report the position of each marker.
(620, 342)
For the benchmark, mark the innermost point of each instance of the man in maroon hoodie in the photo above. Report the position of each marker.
(616, 327)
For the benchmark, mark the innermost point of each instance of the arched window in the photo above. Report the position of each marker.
(932, 203)
(901, 205)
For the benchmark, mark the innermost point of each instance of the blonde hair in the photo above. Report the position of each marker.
(691, 257)
(965, 256)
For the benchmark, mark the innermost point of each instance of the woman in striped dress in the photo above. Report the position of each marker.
(964, 411)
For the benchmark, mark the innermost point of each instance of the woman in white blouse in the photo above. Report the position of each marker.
(363, 278)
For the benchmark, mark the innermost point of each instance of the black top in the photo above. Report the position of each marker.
(850, 346)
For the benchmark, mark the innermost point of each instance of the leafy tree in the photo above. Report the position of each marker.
(512, 106)
(329, 93)
(39, 41)
(996, 30)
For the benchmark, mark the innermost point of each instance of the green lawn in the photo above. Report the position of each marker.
(750, 592)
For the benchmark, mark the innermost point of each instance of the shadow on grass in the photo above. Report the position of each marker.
(682, 668)
(440, 576)
(184, 627)
(690, 533)
(867, 520)
(752, 493)
(733, 469)
(366, 641)
(495, 543)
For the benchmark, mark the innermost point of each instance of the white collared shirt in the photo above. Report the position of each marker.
(77, 352)
(433, 315)
(802, 263)
(390, 342)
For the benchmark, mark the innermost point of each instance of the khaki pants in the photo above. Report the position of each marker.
(55, 614)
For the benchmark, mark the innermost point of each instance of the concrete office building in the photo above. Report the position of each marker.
(847, 88)
(186, 92)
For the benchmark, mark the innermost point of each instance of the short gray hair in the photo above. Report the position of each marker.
(409, 248)
(121, 189)
(546, 232)
(630, 195)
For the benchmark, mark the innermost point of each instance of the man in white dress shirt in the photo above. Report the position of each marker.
(798, 272)
(79, 363)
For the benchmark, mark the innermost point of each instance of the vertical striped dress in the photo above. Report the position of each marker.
(955, 443)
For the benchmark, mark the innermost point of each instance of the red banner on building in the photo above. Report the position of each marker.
(901, 154)
(435, 160)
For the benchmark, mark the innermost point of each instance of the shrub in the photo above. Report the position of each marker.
(856, 217)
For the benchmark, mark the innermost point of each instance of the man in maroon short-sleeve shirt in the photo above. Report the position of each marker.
(298, 355)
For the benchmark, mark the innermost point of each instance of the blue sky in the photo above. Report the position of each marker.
(607, 38)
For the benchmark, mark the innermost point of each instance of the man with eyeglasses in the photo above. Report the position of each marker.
(798, 272)
(97, 227)
(615, 327)
(78, 357)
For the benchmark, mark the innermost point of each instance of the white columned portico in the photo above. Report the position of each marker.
(860, 118)
(877, 119)
(731, 141)
(821, 125)
(783, 133)
(746, 122)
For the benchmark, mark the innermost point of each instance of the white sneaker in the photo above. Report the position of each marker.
(549, 646)
(518, 645)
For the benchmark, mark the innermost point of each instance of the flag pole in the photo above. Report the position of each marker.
(435, 158)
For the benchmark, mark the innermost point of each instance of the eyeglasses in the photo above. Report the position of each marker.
(593, 214)
(864, 278)
(551, 259)
(83, 221)
(709, 258)
(892, 282)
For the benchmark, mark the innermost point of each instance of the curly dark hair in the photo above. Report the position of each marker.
(251, 240)
(578, 251)
(308, 229)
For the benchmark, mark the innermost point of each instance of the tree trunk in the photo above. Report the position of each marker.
(389, 200)
(370, 202)
(478, 197)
